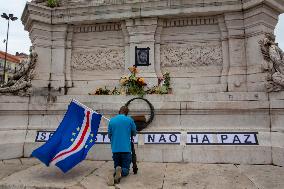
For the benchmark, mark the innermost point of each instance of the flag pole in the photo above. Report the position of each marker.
(103, 116)
(79, 103)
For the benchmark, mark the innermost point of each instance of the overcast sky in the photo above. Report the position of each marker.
(19, 39)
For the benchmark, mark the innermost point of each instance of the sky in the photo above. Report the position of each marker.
(19, 38)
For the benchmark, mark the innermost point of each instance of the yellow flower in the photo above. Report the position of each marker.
(123, 80)
(133, 69)
(122, 91)
(141, 81)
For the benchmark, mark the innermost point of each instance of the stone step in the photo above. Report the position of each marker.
(182, 96)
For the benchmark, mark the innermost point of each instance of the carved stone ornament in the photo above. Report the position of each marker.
(187, 56)
(20, 83)
(64, 2)
(101, 59)
(274, 63)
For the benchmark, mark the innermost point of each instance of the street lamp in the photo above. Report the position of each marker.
(10, 17)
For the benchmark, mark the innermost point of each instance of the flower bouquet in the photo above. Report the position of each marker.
(132, 84)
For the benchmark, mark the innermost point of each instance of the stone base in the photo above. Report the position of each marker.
(21, 118)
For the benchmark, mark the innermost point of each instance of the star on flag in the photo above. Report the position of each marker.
(90, 139)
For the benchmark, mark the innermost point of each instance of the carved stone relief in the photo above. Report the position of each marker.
(181, 22)
(191, 55)
(20, 84)
(116, 26)
(274, 64)
(101, 59)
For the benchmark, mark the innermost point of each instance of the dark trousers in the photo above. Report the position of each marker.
(122, 159)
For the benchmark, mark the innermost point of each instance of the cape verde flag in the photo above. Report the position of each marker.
(73, 138)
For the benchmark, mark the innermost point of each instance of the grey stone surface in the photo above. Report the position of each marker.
(7, 153)
(12, 161)
(205, 176)
(98, 178)
(235, 154)
(278, 155)
(39, 176)
(9, 169)
(29, 161)
(11, 166)
(264, 176)
(21, 174)
(150, 175)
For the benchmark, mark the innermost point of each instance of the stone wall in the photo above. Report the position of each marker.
(215, 44)
(191, 50)
(97, 57)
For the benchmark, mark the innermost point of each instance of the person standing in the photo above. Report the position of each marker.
(120, 129)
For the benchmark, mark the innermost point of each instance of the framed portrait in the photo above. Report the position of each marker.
(142, 56)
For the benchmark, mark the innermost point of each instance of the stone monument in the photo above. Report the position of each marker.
(227, 100)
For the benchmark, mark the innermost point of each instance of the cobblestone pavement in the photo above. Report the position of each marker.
(28, 173)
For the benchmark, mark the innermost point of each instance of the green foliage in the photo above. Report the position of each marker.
(167, 80)
(161, 89)
(52, 3)
(101, 91)
(105, 91)
(158, 90)
(132, 84)
(115, 91)
(133, 88)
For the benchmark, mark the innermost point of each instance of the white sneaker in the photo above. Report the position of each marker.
(117, 175)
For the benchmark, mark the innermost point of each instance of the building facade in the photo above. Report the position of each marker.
(12, 62)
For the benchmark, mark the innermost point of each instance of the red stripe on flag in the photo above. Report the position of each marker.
(81, 139)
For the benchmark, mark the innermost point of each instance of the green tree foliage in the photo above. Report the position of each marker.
(52, 3)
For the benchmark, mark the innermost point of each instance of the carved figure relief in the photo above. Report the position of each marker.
(100, 59)
(185, 56)
(20, 83)
(274, 64)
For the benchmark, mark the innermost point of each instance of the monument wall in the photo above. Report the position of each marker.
(211, 50)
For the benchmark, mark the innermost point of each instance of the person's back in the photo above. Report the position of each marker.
(120, 129)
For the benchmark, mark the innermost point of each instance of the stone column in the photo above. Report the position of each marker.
(142, 35)
(40, 35)
(257, 22)
(49, 42)
(225, 51)
(237, 52)
(126, 46)
(58, 57)
(157, 48)
(68, 70)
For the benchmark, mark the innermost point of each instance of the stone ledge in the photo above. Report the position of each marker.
(7, 153)
(223, 96)
(81, 12)
(277, 156)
